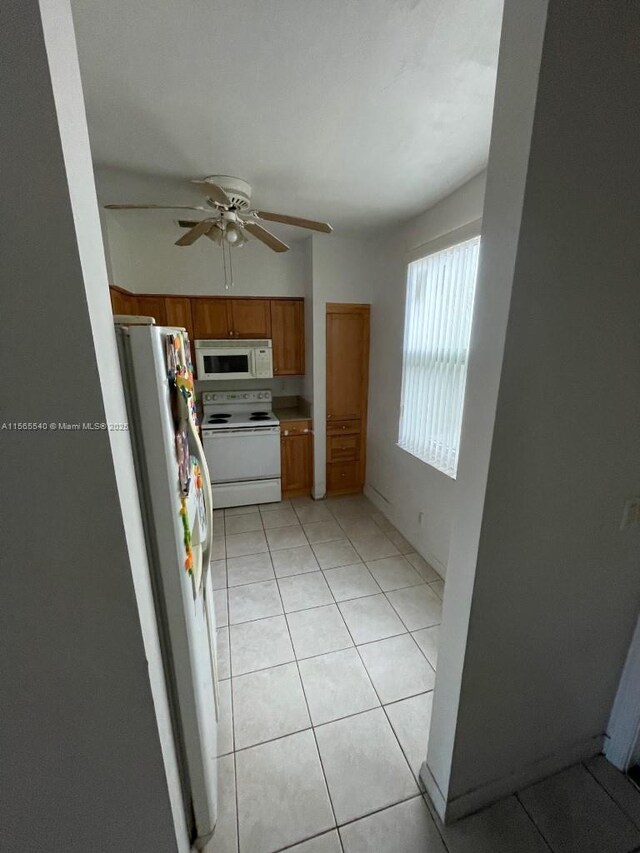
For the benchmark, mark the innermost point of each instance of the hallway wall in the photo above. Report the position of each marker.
(82, 763)
(400, 484)
(554, 580)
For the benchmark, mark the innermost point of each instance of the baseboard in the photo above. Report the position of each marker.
(297, 493)
(485, 795)
(384, 506)
(434, 793)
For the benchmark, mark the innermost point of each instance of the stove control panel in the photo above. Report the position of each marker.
(210, 397)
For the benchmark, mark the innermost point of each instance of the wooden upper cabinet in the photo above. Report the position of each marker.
(250, 318)
(152, 306)
(347, 361)
(211, 318)
(287, 333)
(177, 310)
(123, 302)
(229, 318)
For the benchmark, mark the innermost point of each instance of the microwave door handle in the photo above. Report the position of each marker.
(252, 362)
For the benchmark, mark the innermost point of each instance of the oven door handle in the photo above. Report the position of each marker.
(234, 433)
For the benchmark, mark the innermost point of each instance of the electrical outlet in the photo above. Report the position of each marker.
(421, 519)
(631, 513)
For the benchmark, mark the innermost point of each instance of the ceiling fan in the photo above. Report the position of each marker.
(231, 220)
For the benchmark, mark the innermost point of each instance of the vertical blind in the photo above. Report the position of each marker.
(440, 291)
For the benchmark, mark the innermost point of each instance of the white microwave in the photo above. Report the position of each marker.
(234, 360)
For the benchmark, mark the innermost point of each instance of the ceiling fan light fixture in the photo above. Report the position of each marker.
(231, 234)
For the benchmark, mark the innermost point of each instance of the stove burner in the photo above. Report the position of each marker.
(260, 416)
(218, 420)
(220, 415)
(256, 414)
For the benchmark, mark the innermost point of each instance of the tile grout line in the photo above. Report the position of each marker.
(296, 660)
(371, 681)
(364, 666)
(337, 828)
(611, 797)
(311, 725)
(315, 739)
(533, 823)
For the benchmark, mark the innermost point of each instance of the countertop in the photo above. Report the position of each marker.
(291, 409)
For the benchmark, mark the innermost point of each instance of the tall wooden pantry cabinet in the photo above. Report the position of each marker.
(347, 395)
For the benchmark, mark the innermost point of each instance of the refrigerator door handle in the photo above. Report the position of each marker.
(206, 488)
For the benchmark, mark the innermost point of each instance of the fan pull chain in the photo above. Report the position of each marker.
(230, 267)
(224, 264)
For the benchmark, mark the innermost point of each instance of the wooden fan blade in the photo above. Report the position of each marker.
(295, 220)
(154, 207)
(214, 191)
(198, 230)
(266, 237)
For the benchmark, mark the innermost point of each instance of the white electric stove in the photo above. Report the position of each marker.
(241, 438)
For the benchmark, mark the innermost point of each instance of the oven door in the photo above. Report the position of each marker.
(240, 455)
(225, 363)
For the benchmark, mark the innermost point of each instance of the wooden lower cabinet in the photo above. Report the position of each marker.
(343, 477)
(296, 457)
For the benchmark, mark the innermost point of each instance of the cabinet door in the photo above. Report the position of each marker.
(347, 362)
(296, 456)
(343, 448)
(152, 306)
(211, 318)
(287, 333)
(118, 301)
(250, 318)
(122, 302)
(177, 310)
(344, 477)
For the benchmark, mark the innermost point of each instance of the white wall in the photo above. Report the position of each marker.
(144, 259)
(82, 759)
(400, 484)
(344, 269)
(539, 570)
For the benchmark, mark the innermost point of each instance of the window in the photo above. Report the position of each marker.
(440, 291)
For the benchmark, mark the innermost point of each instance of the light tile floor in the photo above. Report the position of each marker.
(327, 647)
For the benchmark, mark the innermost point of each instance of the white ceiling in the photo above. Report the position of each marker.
(355, 111)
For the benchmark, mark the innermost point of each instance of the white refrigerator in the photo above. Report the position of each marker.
(183, 598)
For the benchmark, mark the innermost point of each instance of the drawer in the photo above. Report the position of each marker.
(343, 475)
(295, 427)
(340, 427)
(343, 448)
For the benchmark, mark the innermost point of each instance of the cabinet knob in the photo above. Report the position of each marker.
(275, 369)
(328, 417)
(343, 426)
(230, 333)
